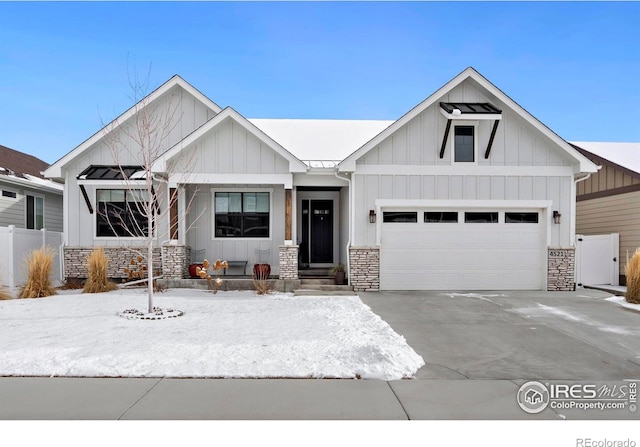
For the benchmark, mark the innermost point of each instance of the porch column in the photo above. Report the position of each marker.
(182, 215)
(288, 212)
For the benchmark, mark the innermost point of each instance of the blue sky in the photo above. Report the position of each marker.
(64, 66)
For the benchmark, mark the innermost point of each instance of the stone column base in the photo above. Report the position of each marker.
(288, 261)
(365, 268)
(175, 261)
(561, 269)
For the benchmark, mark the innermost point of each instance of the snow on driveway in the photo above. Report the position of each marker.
(230, 334)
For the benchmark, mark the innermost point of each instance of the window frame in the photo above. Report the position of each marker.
(429, 222)
(270, 191)
(386, 212)
(474, 126)
(26, 211)
(97, 215)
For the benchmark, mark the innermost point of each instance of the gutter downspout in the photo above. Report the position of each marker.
(348, 180)
(576, 267)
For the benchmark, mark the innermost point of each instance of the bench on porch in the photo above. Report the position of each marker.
(237, 264)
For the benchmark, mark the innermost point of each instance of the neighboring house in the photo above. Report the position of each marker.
(27, 199)
(609, 200)
(465, 191)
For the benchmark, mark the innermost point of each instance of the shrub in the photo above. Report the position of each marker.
(98, 264)
(4, 293)
(632, 271)
(39, 263)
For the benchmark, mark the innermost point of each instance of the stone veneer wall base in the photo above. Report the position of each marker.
(75, 260)
(288, 261)
(561, 264)
(364, 264)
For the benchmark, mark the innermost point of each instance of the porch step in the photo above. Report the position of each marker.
(314, 273)
(317, 292)
(322, 287)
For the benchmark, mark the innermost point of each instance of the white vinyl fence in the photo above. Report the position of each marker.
(16, 244)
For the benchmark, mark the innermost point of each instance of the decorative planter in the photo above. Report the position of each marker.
(339, 278)
(261, 271)
(192, 270)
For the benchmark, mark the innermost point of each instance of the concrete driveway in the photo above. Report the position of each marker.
(479, 348)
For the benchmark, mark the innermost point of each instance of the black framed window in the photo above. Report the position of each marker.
(35, 213)
(521, 218)
(481, 217)
(463, 144)
(399, 216)
(121, 213)
(441, 217)
(9, 194)
(242, 214)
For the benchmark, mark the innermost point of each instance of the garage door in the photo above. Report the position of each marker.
(462, 250)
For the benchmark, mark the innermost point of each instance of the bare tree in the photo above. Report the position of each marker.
(136, 144)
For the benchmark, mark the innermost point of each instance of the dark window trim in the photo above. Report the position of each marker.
(127, 232)
(30, 212)
(468, 214)
(390, 216)
(442, 213)
(473, 144)
(530, 213)
(9, 194)
(242, 215)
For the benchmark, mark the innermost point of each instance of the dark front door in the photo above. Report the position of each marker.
(321, 231)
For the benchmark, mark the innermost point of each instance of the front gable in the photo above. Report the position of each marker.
(186, 109)
(228, 144)
(417, 137)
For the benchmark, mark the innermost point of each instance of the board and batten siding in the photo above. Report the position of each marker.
(392, 169)
(200, 227)
(230, 149)
(190, 114)
(618, 213)
(516, 143)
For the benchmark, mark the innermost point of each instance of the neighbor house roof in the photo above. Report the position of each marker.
(24, 169)
(626, 155)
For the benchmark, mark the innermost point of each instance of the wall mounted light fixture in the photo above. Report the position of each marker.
(372, 216)
(556, 217)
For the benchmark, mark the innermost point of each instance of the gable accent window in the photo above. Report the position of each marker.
(9, 194)
(521, 218)
(35, 212)
(463, 144)
(121, 213)
(441, 217)
(481, 217)
(242, 214)
(399, 216)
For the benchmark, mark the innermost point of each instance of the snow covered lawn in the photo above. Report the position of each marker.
(230, 334)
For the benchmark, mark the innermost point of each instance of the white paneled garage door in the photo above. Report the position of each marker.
(463, 250)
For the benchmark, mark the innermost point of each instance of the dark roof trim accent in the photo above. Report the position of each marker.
(493, 135)
(115, 172)
(470, 108)
(444, 140)
(86, 199)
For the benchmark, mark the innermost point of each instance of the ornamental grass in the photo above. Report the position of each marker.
(39, 263)
(97, 266)
(632, 271)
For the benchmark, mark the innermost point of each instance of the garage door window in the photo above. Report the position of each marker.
(399, 217)
(481, 217)
(441, 217)
(521, 218)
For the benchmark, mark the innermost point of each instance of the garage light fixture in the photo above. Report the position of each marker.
(372, 216)
(556, 217)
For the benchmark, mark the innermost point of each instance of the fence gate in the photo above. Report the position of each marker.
(597, 259)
